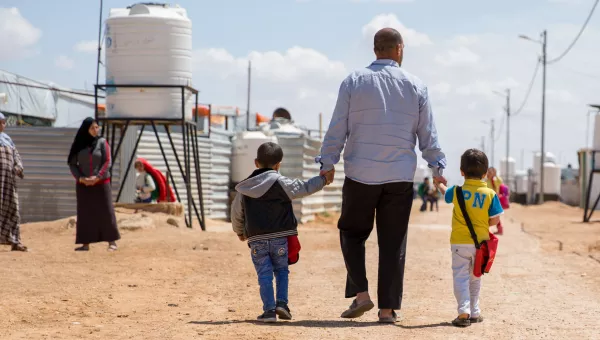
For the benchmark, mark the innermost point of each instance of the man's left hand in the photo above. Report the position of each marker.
(440, 179)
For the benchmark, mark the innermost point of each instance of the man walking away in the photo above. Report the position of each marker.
(381, 110)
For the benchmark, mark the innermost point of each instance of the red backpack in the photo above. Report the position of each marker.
(486, 250)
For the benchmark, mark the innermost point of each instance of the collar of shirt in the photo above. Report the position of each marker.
(475, 182)
(388, 62)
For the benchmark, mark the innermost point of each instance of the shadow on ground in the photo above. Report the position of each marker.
(318, 324)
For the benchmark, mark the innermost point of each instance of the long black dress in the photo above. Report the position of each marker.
(96, 221)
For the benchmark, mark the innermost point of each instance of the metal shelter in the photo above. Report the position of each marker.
(190, 136)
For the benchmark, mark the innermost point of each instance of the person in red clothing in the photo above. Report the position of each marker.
(165, 193)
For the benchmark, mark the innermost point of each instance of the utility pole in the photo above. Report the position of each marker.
(506, 174)
(544, 43)
(492, 133)
(248, 104)
(483, 144)
(543, 156)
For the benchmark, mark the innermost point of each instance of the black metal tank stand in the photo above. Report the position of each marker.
(588, 211)
(190, 136)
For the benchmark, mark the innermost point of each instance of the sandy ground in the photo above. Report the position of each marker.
(174, 283)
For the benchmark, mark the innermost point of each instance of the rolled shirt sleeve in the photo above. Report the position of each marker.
(336, 135)
(428, 136)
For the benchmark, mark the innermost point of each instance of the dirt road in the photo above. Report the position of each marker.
(173, 283)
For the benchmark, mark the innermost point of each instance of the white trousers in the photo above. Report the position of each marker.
(466, 286)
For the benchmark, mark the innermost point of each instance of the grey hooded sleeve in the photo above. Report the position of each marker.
(237, 214)
(297, 188)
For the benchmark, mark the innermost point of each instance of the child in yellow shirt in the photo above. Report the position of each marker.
(484, 210)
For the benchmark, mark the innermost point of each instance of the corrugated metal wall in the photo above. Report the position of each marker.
(48, 190)
(299, 162)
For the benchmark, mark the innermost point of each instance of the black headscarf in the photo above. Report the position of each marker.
(83, 139)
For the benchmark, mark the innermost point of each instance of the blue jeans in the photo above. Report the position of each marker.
(271, 257)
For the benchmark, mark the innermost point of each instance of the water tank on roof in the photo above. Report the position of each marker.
(148, 44)
(245, 145)
(551, 179)
(521, 182)
(550, 158)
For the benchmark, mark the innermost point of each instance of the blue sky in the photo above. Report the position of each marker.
(302, 49)
(243, 26)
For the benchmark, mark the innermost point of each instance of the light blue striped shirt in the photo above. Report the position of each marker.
(381, 110)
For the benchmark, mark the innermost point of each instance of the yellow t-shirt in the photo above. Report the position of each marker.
(495, 185)
(481, 203)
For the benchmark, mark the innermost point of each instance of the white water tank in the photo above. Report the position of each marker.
(148, 44)
(521, 182)
(550, 158)
(507, 168)
(551, 179)
(245, 145)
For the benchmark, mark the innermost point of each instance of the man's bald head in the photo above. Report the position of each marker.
(388, 44)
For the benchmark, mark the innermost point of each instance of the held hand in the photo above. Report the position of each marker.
(441, 186)
(329, 175)
(440, 179)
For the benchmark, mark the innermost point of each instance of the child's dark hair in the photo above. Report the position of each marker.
(269, 154)
(474, 163)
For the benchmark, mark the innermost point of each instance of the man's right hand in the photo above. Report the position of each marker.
(329, 175)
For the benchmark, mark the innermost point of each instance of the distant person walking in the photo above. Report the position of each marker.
(10, 168)
(89, 161)
(423, 190)
(381, 110)
(494, 182)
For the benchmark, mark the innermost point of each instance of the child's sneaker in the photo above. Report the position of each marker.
(460, 322)
(268, 316)
(283, 311)
(478, 319)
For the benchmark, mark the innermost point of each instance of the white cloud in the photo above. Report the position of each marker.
(86, 46)
(461, 56)
(411, 37)
(301, 79)
(64, 62)
(18, 37)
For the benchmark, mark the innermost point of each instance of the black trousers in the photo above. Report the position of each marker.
(390, 205)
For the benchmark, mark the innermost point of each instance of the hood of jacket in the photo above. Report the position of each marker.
(259, 182)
